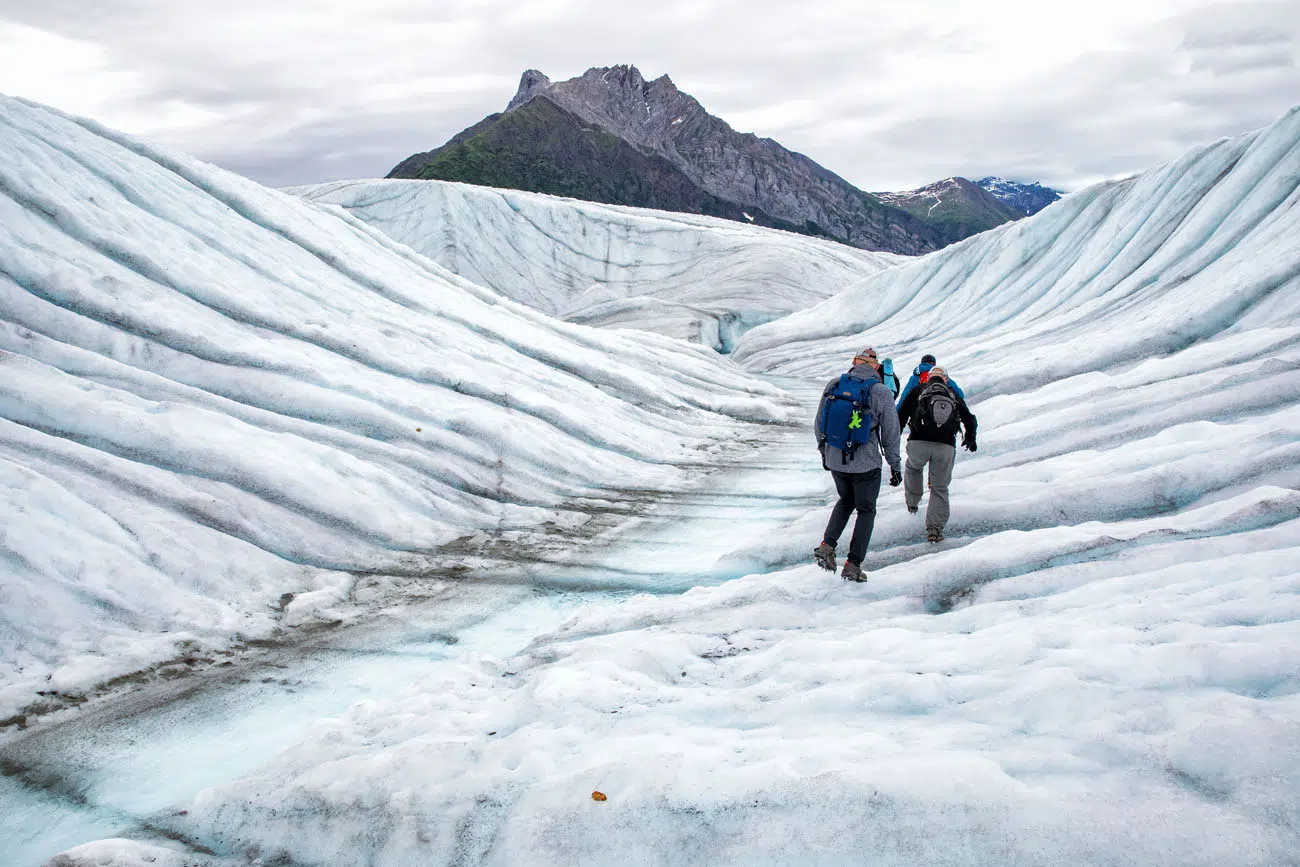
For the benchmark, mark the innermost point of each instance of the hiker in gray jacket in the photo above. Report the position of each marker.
(857, 470)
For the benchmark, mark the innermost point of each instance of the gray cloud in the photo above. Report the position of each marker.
(887, 95)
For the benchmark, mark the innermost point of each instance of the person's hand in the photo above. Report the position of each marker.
(895, 477)
(968, 443)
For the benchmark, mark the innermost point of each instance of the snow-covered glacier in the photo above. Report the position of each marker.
(214, 396)
(697, 278)
(1097, 667)
(1133, 343)
(1202, 248)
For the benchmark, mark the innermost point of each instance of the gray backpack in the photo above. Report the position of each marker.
(936, 410)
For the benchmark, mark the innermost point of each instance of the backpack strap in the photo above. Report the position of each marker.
(830, 394)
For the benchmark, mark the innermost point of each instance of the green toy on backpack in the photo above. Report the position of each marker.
(846, 420)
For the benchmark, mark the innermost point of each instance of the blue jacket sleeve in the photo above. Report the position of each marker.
(907, 389)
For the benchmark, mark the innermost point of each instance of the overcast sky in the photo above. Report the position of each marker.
(891, 95)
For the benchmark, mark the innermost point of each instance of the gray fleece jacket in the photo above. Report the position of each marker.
(884, 428)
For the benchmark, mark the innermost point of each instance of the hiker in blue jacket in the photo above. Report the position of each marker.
(922, 373)
(856, 467)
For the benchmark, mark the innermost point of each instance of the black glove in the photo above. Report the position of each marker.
(895, 477)
(968, 442)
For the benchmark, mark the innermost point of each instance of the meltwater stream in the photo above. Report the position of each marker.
(122, 767)
(110, 773)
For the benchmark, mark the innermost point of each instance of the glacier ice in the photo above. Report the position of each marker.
(213, 394)
(1206, 245)
(1097, 667)
(698, 278)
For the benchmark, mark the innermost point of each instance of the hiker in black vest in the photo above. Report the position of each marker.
(855, 423)
(934, 412)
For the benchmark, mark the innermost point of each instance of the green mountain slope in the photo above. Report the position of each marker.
(956, 207)
(540, 147)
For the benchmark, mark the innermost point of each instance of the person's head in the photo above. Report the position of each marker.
(928, 359)
(938, 373)
(866, 356)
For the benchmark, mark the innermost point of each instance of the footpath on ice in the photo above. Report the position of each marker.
(1107, 691)
(131, 765)
(1118, 691)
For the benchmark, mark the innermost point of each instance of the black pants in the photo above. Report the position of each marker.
(858, 492)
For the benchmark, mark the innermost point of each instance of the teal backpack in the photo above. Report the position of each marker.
(887, 369)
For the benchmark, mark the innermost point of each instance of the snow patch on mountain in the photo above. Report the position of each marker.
(1028, 199)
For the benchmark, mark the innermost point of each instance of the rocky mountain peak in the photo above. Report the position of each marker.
(665, 83)
(612, 136)
(957, 207)
(625, 77)
(622, 75)
(648, 114)
(531, 83)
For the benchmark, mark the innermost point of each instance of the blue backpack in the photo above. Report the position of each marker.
(846, 419)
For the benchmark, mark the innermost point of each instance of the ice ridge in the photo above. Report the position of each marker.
(214, 394)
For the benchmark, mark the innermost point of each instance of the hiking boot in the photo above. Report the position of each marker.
(912, 510)
(853, 572)
(824, 554)
(934, 534)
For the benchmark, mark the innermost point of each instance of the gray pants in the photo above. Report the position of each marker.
(941, 458)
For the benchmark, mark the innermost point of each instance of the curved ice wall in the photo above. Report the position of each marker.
(212, 393)
(698, 278)
(1202, 248)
